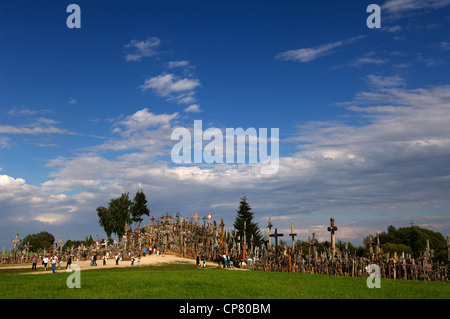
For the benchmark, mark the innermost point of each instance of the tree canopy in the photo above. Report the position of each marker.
(244, 213)
(42, 240)
(122, 211)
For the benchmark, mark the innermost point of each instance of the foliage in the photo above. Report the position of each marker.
(412, 240)
(37, 241)
(245, 214)
(139, 207)
(114, 218)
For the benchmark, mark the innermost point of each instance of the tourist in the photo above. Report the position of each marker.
(45, 262)
(198, 261)
(104, 260)
(117, 259)
(144, 251)
(69, 262)
(203, 261)
(53, 261)
(132, 261)
(95, 260)
(34, 260)
(139, 260)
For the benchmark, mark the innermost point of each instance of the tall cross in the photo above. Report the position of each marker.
(196, 216)
(269, 228)
(292, 236)
(222, 225)
(276, 235)
(27, 247)
(332, 229)
(61, 244)
(15, 242)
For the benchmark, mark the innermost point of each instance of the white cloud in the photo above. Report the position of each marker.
(140, 49)
(194, 108)
(312, 53)
(396, 6)
(144, 119)
(72, 101)
(172, 87)
(379, 81)
(10, 129)
(177, 64)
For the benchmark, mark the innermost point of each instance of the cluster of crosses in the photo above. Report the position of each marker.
(189, 237)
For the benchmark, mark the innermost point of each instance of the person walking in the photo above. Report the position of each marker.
(45, 262)
(34, 260)
(69, 262)
(117, 259)
(53, 261)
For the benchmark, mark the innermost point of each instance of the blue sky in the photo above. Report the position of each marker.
(86, 114)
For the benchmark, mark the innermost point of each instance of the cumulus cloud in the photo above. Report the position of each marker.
(392, 165)
(172, 87)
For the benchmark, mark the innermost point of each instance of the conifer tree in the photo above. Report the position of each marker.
(245, 214)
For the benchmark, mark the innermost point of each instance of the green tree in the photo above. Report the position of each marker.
(116, 216)
(245, 214)
(139, 207)
(38, 241)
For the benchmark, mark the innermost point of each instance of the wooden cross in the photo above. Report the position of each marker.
(153, 220)
(332, 229)
(15, 242)
(265, 239)
(269, 228)
(292, 236)
(27, 246)
(276, 235)
(61, 244)
(222, 225)
(196, 216)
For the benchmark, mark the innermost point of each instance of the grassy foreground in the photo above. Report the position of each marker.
(184, 281)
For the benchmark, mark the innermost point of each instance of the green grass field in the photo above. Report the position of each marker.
(184, 281)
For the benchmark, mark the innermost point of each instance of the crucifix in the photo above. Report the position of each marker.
(15, 242)
(276, 235)
(332, 229)
(269, 228)
(265, 239)
(61, 244)
(196, 216)
(292, 236)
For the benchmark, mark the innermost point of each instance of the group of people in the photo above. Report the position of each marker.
(225, 261)
(54, 261)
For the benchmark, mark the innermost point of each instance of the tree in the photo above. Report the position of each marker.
(114, 218)
(139, 207)
(245, 214)
(38, 241)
